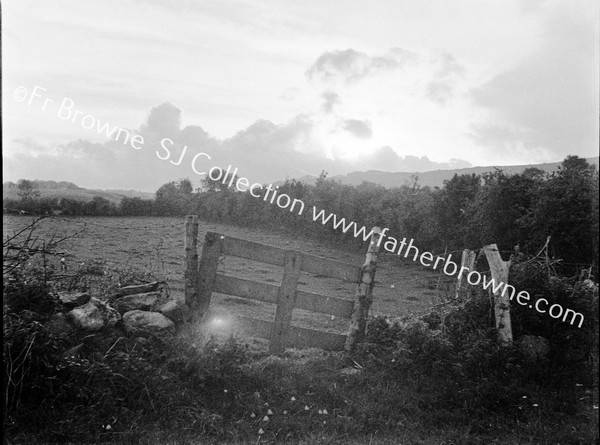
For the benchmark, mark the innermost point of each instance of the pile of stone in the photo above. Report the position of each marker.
(138, 309)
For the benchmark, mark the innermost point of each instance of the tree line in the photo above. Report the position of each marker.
(518, 211)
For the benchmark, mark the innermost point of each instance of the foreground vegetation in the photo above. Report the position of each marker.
(435, 378)
(438, 378)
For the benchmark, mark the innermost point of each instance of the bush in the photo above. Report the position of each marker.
(458, 363)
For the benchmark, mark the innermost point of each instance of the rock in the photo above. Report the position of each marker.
(138, 289)
(138, 321)
(58, 325)
(144, 302)
(74, 351)
(94, 315)
(71, 300)
(575, 355)
(534, 348)
(176, 310)
(349, 371)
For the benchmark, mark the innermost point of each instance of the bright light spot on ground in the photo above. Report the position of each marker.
(218, 322)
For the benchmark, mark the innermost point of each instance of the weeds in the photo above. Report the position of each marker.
(417, 380)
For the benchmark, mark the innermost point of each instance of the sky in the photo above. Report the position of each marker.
(284, 89)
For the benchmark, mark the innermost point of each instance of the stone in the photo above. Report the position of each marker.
(71, 300)
(138, 289)
(137, 321)
(58, 326)
(74, 351)
(94, 315)
(576, 355)
(534, 348)
(350, 371)
(176, 310)
(144, 302)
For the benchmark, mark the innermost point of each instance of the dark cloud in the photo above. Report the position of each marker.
(351, 64)
(197, 138)
(268, 152)
(386, 159)
(264, 136)
(448, 66)
(164, 120)
(441, 88)
(347, 63)
(263, 152)
(109, 165)
(403, 56)
(549, 101)
(330, 100)
(358, 128)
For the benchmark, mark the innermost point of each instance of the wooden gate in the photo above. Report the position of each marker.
(280, 332)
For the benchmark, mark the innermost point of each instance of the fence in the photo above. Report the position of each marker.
(202, 279)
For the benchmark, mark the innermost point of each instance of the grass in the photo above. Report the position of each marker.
(203, 390)
(155, 247)
(220, 393)
(360, 410)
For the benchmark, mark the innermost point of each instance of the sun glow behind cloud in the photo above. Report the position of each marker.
(371, 88)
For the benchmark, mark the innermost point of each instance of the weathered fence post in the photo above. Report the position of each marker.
(364, 294)
(286, 299)
(499, 269)
(191, 260)
(207, 271)
(468, 261)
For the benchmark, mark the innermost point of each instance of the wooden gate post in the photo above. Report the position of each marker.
(191, 259)
(207, 271)
(286, 299)
(364, 294)
(499, 269)
(468, 261)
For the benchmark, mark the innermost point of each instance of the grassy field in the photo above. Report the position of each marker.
(241, 386)
(156, 247)
(77, 193)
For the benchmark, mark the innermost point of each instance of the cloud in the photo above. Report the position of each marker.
(449, 67)
(386, 159)
(330, 100)
(262, 152)
(549, 102)
(358, 128)
(352, 65)
(448, 70)
(439, 91)
(164, 120)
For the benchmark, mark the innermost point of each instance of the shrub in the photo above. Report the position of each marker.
(457, 362)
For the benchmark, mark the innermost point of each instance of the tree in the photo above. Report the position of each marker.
(566, 212)
(136, 206)
(27, 190)
(185, 187)
(174, 198)
(221, 185)
(99, 206)
(450, 208)
(501, 210)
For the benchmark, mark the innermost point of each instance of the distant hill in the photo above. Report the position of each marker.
(62, 189)
(433, 178)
